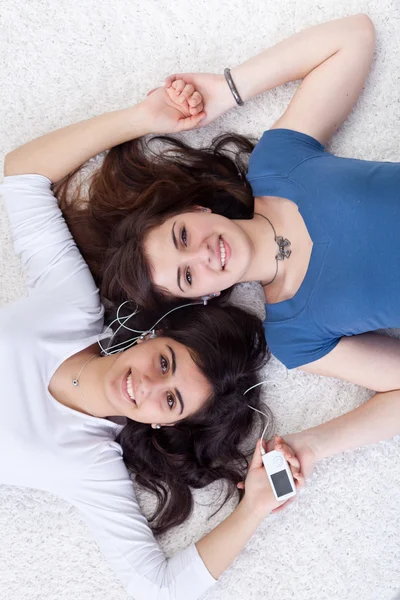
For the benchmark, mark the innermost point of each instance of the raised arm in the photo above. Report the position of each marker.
(332, 59)
(58, 153)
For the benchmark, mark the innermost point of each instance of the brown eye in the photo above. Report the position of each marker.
(164, 364)
(188, 276)
(171, 401)
(184, 236)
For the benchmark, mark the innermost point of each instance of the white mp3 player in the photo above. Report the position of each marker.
(279, 475)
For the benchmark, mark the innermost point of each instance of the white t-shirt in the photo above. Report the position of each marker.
(49, 446)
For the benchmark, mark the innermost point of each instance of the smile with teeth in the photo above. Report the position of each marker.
(222, 252)
(129, 387)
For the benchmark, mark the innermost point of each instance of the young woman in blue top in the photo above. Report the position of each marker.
(149, 220)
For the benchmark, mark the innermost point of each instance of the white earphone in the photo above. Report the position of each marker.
(207, 298)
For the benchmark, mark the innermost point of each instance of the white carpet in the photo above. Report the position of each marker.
(64, 60)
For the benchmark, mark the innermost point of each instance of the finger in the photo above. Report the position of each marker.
(279, 441)
(256, 461)
(190, 122)
(299, 480)
(270, 445)
(186, 92)
(287, 452)
(292, 460)
(195, 99)
(179, 86)
(171, 78)
(195, 110)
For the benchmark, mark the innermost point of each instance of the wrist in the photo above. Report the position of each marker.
(315, 440)
(226, 94)
(254, 512)
(139, 120)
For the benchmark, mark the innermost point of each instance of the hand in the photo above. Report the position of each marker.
(173, 109)
(217, 97)
(259, 496)
(299, 444)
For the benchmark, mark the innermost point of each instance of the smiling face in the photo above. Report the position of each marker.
(198, 253)
(156, 381)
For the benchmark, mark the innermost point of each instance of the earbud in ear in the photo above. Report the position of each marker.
(207, 298)
(151, 334)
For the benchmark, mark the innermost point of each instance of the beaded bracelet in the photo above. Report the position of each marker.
(232, 87)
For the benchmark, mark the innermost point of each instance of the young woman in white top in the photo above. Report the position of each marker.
(179, 392)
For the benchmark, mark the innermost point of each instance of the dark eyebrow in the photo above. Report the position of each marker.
(173, 359)
(174, 236)
(177, 392)
(178, 274)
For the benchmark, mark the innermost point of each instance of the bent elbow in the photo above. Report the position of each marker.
(12, 164)
(366, 27)
(7, 164)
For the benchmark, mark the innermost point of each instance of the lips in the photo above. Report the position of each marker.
(224, 252)
(127, 388)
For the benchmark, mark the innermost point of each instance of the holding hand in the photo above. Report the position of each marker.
(258, 492)
(298, 450)
(216, 95)
(174, 109)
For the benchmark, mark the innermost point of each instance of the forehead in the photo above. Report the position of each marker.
(189, 377)
(160, 253)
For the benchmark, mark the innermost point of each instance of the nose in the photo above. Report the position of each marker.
(202, 254)
(149, 387)
(144, 389)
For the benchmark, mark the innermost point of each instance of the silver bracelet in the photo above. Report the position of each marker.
(232, 87)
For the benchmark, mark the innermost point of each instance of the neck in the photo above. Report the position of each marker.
(263, 265)
(88, 396)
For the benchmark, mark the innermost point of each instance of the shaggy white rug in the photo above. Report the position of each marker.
(64, 60)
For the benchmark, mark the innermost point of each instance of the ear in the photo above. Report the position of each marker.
(202, 209)
(154, 426)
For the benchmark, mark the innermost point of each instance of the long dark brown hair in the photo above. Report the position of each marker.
(228, 346)
(138, 186)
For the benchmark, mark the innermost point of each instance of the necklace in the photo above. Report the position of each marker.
(75, 382)
(283, 249)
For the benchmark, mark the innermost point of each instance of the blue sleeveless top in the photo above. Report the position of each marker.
(351, 209)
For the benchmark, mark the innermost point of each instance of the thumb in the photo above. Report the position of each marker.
(190, 122)
(256, 461)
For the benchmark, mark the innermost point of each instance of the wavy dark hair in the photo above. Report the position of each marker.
(228, 346)
(139, 185)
